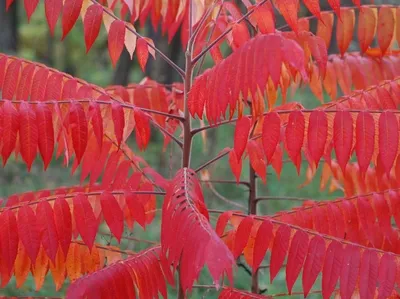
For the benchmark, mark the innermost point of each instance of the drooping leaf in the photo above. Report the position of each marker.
(47, 225)
(242, 130)
(118, 118)
(297, 254)
(365, 139)
(28, 133)
(271, 134)
(294, 136)
(79, 129)
(71, 11)
(142, 53)
(29, 231)
(116, 37)
(113, 214)
(52, 9)
(343, 137)
(92, 24)
(313, 263)
(388, 139)
(85, 219)
(279, 250)
(10, 129)
(317, 135)
(366, 27)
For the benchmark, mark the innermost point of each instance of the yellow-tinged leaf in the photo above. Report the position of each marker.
(272, 94)
(130, 39)
(108, 19)
(58, 270)
(90, 260)
(344, 29)
(367, 26)
(112, 256)
(386, 25)
(73, 262)
(40, 269)
(248, 250)
(325, 27)
(22, 266)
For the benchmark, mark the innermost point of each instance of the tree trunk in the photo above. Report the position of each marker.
(9, 28)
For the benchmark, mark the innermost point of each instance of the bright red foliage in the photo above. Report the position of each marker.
(352, 243)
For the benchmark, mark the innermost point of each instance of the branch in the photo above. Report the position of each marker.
(224, 199)
(281, 198)
(233, 182)
(73, 194)
(219, 156)
(163, 56)
(165, 131)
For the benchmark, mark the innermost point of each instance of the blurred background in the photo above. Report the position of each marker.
(34, 42)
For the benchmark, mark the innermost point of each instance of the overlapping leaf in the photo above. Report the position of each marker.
(187, 237)
(142, 273)
(312, 251)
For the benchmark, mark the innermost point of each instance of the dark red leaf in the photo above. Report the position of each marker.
(119, 121)
(388, 139)
(45, 128)
(29, 231)
(271, 133)
(113, 214)
(63, 221)
(47, 225)
(297, 254)
(365, 138)
(332, 267)
(79, 129)
(368, 274)
(116, 38)
(343, 137)
(28, 133)
(85, 219)
(279, 250)
(242, 130)
(294, 136)
(317, 135)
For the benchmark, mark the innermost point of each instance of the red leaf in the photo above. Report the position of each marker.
(52, 9)
(79, 129)
(335, 4)
(294, 136)
(297, 254)
(30, 6)
(116, 38)
(279, 250)
(365, 138)
(113, 214)
(28, 134)
(317, 135)
(235, 164)
(46, 132)
(39, 85)
(343, 137)
(9, 239)
(10, 129)
(271, 133)
(142, 52)
(97, 122)
(256, 159)
(240, 34)
(242, 236)
(388, 139)
(92, 24)
(261, 243)
(386, 275)
(29, 232)
(71, 11)
(54, 87)
(85, 219)
(313, 263)
(332, 267)
(368, 274)
(289, 9)
(142, 128)
(63, 222)
(11, 79)
(47, 225)
(25, 81)
(119, 121)
(136, 208)
(350, 270)
(242, 130)
(313, 7)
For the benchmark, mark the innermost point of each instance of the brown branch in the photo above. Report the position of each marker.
(224, 199)
(73, 194)
(281, 198)
(226, 182)
(219, 156)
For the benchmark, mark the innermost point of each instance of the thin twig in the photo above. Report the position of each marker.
(224, 199)
(219, 156)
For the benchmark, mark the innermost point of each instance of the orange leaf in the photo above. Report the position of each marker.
(344, 29)
(289, 9)
(386, 24)
(366, 27)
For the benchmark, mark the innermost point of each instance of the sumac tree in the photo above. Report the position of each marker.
(352, 242)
